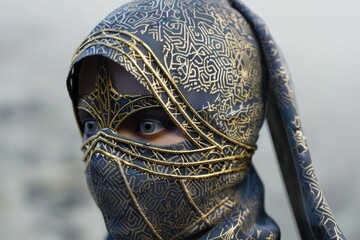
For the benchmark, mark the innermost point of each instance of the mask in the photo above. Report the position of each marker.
(203, 68)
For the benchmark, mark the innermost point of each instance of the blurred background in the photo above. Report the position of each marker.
(43, 194)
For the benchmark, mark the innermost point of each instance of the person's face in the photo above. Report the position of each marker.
(148, 125)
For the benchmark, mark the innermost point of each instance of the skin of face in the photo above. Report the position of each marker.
(151, 125)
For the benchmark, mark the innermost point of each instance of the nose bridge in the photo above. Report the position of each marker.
(106, 99)
(97, 150)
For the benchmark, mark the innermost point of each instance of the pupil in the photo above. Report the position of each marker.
(90, 126)
(148, 126)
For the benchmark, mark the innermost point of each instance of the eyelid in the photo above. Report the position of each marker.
(84, 120)
(151, 120)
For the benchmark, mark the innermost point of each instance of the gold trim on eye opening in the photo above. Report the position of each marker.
(142, 145)
(242, 167)
(243, 155)
(243, 159)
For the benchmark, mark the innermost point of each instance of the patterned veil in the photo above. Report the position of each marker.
(215, 70)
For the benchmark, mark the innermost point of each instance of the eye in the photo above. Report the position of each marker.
(148, 127)
(90, 127)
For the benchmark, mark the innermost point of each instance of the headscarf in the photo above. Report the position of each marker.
(213, 67)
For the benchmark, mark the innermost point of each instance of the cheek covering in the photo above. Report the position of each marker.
(213, 67)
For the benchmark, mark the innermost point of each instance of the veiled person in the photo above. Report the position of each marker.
(169, 97)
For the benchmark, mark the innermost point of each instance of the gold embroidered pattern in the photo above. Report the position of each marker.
(177, 50)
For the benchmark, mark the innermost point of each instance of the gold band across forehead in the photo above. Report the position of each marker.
(132, 50)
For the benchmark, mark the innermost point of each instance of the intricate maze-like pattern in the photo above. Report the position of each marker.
(180, 51)
(201, 62)
(321, 220)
